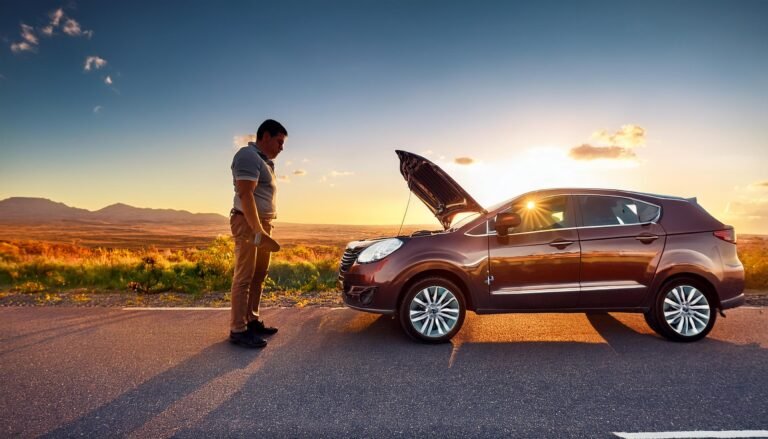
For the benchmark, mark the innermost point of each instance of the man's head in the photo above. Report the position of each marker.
(270, 137)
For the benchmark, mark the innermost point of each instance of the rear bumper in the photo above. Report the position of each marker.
(733, 302)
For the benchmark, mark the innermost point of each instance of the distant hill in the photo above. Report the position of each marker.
(41, 210)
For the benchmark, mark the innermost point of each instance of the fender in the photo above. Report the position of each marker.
(675, 262)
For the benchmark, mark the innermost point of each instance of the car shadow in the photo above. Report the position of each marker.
(359, 373)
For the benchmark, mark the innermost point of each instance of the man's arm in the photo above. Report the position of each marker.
(245, 193)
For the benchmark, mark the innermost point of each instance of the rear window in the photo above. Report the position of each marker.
(615, 211)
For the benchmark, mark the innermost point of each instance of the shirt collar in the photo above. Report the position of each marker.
(262, 155)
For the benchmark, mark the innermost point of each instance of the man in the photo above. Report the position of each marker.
(251, 218)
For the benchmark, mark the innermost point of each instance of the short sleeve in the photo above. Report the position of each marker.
(245, 167)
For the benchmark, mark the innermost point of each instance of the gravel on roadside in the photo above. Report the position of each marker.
(120, 299)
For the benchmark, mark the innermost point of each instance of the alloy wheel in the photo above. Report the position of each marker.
(434, 311)
(686, 310)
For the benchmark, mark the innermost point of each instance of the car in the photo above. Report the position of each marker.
(554, 250)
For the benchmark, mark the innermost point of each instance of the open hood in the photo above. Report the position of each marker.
(444, 197)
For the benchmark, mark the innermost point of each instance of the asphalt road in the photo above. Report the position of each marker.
(340, 373)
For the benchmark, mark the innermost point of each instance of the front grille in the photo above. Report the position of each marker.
(349, 258)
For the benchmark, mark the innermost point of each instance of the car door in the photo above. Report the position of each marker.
(621, 245)
(536, 266)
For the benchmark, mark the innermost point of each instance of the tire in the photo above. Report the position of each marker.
(650, 319)
(684, 310)
(437, 302)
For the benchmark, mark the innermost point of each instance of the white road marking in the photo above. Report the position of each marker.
(693, 434)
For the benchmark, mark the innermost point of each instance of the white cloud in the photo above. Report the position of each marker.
(283, 178)
(29, 43)
(94, 62)
(758, 186)
(463, 160)
(30, 40)
(97, 109)
(22, 47)
(611, 146)
(589, 152)
(108, 80)
(56, 17)
(747, 209)
(427, 153)
(28, 33)
(243, 139)
(341, 173)
(305, 161)
(288, 163)
(300, 172)
(72, 28)
(628, 136)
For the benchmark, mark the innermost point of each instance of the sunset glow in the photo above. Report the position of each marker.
(92, 115)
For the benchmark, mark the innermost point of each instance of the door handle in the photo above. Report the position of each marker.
(647, 239)
(560, 244)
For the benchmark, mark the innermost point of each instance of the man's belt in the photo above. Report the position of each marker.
(237, 212)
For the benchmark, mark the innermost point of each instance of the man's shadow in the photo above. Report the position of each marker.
(137, 406)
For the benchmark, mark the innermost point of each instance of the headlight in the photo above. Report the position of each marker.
(380, 250)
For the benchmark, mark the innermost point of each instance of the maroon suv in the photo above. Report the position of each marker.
(554, 250)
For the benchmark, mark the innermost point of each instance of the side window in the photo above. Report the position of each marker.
(544, 214)
(615, 211)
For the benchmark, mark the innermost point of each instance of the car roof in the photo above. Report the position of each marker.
(642, 196)
(601, 191)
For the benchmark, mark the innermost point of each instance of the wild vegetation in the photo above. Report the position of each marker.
(753, 253)
(33, 267)
(302, 273)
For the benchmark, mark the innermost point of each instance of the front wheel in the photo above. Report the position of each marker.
(432, 310)
(683, 311)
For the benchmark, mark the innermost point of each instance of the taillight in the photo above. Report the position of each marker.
(728, 235)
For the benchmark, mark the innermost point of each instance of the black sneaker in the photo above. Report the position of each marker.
(247, 339)
(257, 327)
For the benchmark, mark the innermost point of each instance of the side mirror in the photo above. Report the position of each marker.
(505, 221)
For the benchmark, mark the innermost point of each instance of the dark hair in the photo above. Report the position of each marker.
(272, 127)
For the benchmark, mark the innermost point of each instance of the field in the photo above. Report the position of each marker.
(154, 264)
(161, 264)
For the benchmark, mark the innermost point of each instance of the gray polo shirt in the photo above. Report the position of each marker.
(250, 164)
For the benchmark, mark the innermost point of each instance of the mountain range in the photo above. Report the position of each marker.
(41, 210)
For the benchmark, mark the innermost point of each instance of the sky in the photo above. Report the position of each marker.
(145, 103)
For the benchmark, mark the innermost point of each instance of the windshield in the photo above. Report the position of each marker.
(465, 220)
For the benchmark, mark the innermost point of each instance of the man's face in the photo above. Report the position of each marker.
(272, 145)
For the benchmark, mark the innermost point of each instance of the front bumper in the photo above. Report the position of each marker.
(369, 287)
(364, 298)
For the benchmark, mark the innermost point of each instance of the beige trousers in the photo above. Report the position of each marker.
(250, 272)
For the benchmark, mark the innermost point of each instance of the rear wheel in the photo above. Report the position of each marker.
(432, 310)
(684, 310)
